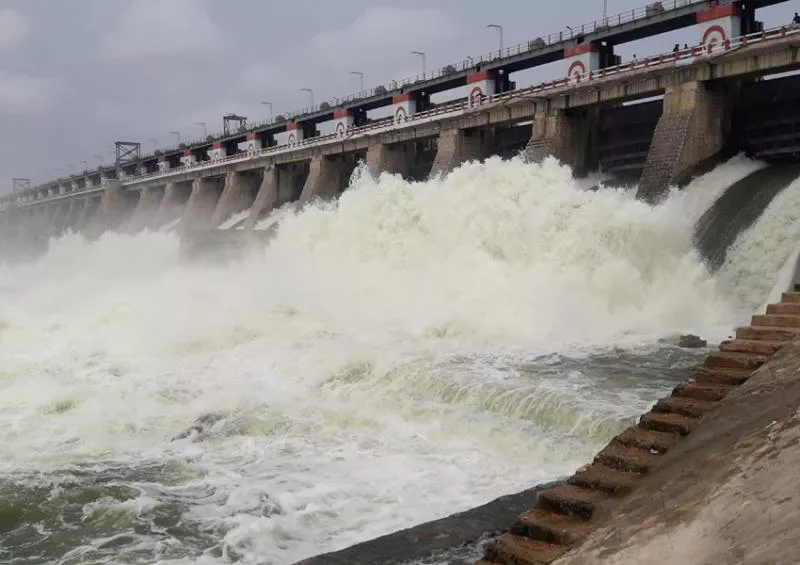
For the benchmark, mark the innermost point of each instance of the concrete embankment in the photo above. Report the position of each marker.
(709, 475)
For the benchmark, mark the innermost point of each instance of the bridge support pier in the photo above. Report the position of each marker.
(457, 146)
(690, 132)
(236, 196)
(267, 198)
(149, 203)
(327, 177)
(114, 204)
(202, 202)
(396, 159)
(567, 136)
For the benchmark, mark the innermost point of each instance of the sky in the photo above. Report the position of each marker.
(77, 75)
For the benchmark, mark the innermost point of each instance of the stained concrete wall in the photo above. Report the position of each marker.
(267, 199)
(692, 130)
(457, 146)
(202, 203)
(115, 206)
(327, 177)
(176, 195)
(149, 202)
(395, 158)
(238, 195)
(567, 135)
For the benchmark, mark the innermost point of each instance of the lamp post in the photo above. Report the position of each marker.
(269, 105)
(205, 130)
(605, 11)
(360, 75)
(499, 29)
(421, 55)
(177, 134)
(310, 93)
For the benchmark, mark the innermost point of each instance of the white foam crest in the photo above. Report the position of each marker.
(276, 216)
(170, 226)
(754, 261)
(235, 219)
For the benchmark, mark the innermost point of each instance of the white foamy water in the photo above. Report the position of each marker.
(170, 226)
(408, 352)
(238, 218)
(757, 257)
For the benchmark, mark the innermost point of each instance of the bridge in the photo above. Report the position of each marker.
(712, 103)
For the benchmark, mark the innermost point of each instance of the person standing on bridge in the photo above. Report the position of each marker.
(796, 20)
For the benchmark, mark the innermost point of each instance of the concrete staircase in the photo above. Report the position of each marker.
(567, 513)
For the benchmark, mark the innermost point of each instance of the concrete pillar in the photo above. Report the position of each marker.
(567, 137)
(457, 146)
(394, 159)
(267, 198)
(403, 105)
(235, 198)
(113, 206)
(201, 204)
(325, 178)
(690, 132)
(481, 84)
(146, 209)
(90, 209)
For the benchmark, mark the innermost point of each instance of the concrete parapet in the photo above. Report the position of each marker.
(267, 198)
(395, 159)
(691, 131)
(565, 135)
(457, 146)
(326, 178)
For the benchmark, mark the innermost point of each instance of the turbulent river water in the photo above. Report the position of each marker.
(411, 351)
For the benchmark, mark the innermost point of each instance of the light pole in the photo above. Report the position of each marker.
(310, 93)
(422, 57)
(360, 75)
(155, 142)
(205, 130)
(268, 105)
(499, 29)
(605, 10)
(177, 134)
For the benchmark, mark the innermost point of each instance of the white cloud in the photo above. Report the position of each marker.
(157, 32)
(14, 28)
(22, 95)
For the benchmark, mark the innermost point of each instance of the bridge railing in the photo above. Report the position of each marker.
(671, 58)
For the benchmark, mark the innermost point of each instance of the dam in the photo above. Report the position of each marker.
(424, 312)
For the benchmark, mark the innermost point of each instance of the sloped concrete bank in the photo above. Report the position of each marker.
(709, 475)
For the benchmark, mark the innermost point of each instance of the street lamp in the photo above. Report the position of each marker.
(155, 142)
(311, 93)
(269, 105)
(360, 75)
(605, 10)
(177, 134)
(422, 57)
(499, 29)
(205, 130)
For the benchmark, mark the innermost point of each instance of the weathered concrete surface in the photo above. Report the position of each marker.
(146, 209)
(235, 197)
(465, 530)
(692, 129)
(567, 136)
(267, 198)
(326, 178)
(457, 146)
(395, 159)
(728, 494)
(113, 206)
(202, 203)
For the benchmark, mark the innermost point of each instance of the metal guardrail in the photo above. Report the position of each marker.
(672, 58)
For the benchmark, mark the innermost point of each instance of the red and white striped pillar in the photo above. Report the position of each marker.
(582, 60)
(342, 121)
(404, 106)
(217, 152)
(188, 159)
(480, 84)
(719, 24)
(295, 131)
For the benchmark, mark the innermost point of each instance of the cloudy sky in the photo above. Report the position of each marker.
(76, 75)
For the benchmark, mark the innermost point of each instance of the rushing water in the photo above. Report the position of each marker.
(408, 352)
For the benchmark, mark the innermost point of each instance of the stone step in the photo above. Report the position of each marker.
(684, 405)
(780, 321)
(570, 500)
(642, 438)
(736, 360)
(666, 422)
(767, 333)
(791, 308)
(558, 529)
(627, 458)
(599, 476)
(759, 347)
(720, 375)
(511, 549)
(790, 297)
(710, 392)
